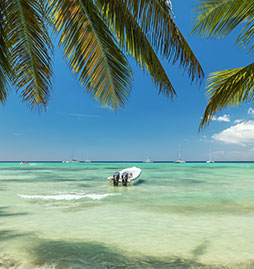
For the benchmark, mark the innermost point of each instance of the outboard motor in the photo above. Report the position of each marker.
(125, 177)
(116, 178)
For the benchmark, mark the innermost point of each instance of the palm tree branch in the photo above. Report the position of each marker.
(229, 88)
(5, 68)
(220, 17)
(30, 45)
(246, 35)
(156, 21)
(132, 39)
(92, 52)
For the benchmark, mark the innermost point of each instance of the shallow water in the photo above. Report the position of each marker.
(178, 216)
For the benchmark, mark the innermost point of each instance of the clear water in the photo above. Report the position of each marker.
(178, 216)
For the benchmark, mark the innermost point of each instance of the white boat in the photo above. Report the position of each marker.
(179, 160)
(147, 161)
(71, 161)
(126, 176)
(210, 158)
(87, 159)
(22, 162)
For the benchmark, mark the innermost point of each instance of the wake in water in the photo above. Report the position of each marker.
(67, 196)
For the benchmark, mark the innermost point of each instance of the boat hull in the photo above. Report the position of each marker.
(133, 179)
(179, 161)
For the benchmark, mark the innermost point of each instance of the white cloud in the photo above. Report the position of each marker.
(238, 121)
(224, 118)
(78, 115)
(239, 134)
(205, 139)
(250, 111)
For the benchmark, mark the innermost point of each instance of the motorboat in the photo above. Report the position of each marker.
(125, 176)
(23, 162)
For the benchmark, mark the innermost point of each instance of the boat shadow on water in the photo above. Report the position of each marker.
(139, 182)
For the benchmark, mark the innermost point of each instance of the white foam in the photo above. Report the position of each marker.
(68, 197)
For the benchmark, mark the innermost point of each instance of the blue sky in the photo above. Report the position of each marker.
(150, 126)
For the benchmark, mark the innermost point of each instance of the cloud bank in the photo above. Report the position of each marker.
(239, 134)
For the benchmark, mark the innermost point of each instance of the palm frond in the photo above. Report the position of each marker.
(246, 36)
(155, 19)
(92, 52)
(132, 39)
(229, 88)
(5, 68)
(218, 18)
(30, 45)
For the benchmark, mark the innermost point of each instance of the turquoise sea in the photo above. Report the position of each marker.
(192, 215)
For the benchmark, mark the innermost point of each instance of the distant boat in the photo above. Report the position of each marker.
(87, 160)
(179, 160)
(71, 161)
(148, 161)
(210, 158)
(22, 162)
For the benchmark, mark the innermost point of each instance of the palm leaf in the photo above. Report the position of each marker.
(229, 88)
(220, 17)
(246, 36)
(30, 45)
(91, 51)
(5, 68)
(154, 17)
(132, 39)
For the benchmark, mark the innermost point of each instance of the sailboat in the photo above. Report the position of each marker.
(148, 161)
(72, 160)
(87, 160)
(179, 160)
(210, 159)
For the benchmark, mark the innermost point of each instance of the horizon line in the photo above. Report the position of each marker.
(125, 161)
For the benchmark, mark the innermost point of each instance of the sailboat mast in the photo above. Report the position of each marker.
(209, 155)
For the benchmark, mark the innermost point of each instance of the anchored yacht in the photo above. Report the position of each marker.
(179, 160)
(210, 158)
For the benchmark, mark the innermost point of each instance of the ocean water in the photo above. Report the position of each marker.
(177, 216)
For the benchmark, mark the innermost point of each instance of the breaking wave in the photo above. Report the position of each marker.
(68, 197)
